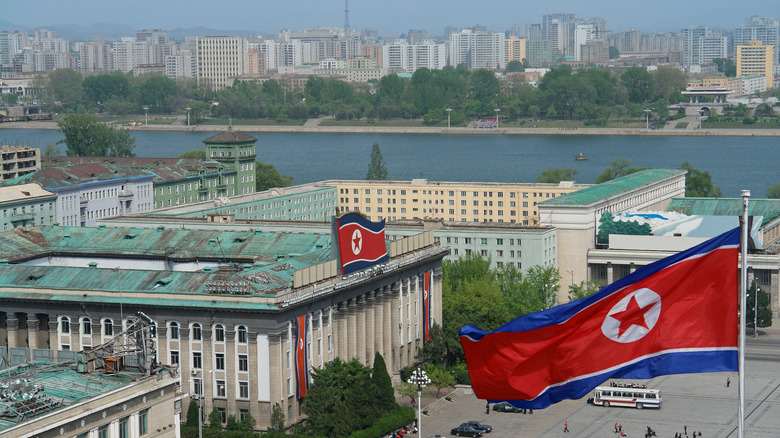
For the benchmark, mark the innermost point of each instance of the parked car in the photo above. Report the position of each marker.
(465, 430)
(504, 407)
(486, 428)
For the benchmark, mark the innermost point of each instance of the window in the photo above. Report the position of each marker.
(174, 357)
(242, 334)
(221, 389)
(197, 334)
(86, 326)
(243, 362)
(222, 414)
(108, 327)
(219, 333)
(65, 325)
(483, 241)
(174, 329)
(197, 359)
(197, 386)
(220, 361)
(143, 422)
(330, 343)
(243, 389)
(103, 431)
(123, 427)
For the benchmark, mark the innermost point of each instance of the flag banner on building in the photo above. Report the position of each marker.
(427, 287)
(301, 356)
(361, 243)
(677, 315)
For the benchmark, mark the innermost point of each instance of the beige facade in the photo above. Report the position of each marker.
(449, 201)
(756, 59)
(515, 49)
(220, 58)
(18, 160)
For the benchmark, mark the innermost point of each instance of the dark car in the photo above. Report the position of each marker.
(465, 430)
(504, 407)
(485, 428)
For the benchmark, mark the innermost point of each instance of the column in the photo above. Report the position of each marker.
(405, 352)
(395, 322)
(360, 317)
(610, 273)
(276, 376)
(12, 328)
(341, 327)
(436, 296)
(379, 323)
(33, 333)
(53, 341)
(369, 321)
(387, 332)
(352, 348)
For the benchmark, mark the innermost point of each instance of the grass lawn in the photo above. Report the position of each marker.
(763, 124)
(681, 125)
(262, 122)
(374, 122)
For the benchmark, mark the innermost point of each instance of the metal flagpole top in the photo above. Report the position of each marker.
(743, 243)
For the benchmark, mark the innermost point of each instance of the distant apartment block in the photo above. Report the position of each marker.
(538, 53)
(764, 29)
(449, 201)
(700, 46)
(220, 58)
(95, 58)
(403, 57)
(18, 160)
(477, 49)
(515, 49)
(756, 58)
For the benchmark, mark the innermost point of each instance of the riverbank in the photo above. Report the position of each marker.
(431, 130)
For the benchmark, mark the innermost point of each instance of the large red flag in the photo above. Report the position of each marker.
(361, 242)
(427, 277)
(677, 315)
(301, 359)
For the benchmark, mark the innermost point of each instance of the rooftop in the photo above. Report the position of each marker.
(610, 189)
(23, 192)
(768, 208)
(69, 176)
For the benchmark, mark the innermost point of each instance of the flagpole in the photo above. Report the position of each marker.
(743, 242)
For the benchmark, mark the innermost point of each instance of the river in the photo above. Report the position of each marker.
(735, 163)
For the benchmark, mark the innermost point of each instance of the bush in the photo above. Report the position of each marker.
(406, 372)
(386, 424)
(748, 120)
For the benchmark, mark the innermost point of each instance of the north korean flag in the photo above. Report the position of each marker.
(677, 315)
(301, 356)
(361, 242)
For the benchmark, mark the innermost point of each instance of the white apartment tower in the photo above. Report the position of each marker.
(220, 58)
(764, 29)
(477, 49)
(94, 57)
(582, 34)
(400, 56)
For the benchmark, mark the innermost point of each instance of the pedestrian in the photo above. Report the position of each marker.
(620, 429)
(616, 428)
(565, 426)
(487, 408)
(685, 428)
(728, 382)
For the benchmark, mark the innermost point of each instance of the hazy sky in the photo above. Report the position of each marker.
(389, 17)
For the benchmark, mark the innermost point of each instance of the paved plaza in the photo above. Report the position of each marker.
(700, 401)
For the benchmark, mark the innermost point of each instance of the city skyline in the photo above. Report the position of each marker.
(387, 18)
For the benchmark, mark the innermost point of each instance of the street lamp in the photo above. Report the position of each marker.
(449, 111)
(647, 117)
(420, 379)
(497, 110)
(146, 115)
(572, 276)
(188, 115)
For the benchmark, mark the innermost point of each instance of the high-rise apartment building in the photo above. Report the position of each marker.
(220, 58)
(700, 46)
(756, 59)
(547, 21)
(538, 53)
(477, 49)
(11, 44)
(515, 49)
(759, 29)
(401, 56)
(95, 57)
(582, 34)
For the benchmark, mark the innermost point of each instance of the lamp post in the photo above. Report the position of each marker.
(449, 112)
(188, 115)
(497, 110)
(420, 379)
(146, 115)
(647, 117)
(572, 277)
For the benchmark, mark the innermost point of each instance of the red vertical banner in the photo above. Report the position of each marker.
(427, 278)
(301, 364)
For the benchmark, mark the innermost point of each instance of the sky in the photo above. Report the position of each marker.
(389, 17)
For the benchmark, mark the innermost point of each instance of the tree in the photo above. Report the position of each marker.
(196, 153)
(773, 191)
(440, 377)
(406, 389)
(277, 418)
(85, 136)
(726, 66)
(192, 413)
(267, 177)
(232, 423)
(553, 175)
(639, 84)
(764, 310)
(64, 85)
(669, 82)
(484, 86)
(544, 281)
(514, 66)
(383, 386)
(698, 184)
(434, 351)
(614, 53)
(620, 167)
(376, 168)
(584, 289)
(215, 419)
(247, 423)
(156, 90)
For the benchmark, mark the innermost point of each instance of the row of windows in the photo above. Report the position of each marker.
(219, 360)
(451, 193)
(196, 330)
(24, 209)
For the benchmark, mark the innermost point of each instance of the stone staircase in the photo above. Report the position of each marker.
(458, 392)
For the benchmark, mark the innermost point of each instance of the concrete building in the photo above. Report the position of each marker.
(26, 205)
(575, 216)
(583, 33)
(16, 161)
(515, 49)
(701, 46)
(219, 59)
(95, 58)
(595, 52)
(449, 201)
(402, 57)
(477, 49)
(764, 29)
(225, 303)
(54, 399)
(182, 64)
(756, 58)
(538, 53)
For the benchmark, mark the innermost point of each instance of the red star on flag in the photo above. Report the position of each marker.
(633, 315)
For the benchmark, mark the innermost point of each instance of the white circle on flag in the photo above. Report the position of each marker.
(357, 242)
(633, 317)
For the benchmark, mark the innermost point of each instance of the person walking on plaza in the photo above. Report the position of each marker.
(565, 426)
(487, 408)
(616, 428)
(728, 382)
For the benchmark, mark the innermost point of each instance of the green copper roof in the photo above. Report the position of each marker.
(610, 189)
(768, 208)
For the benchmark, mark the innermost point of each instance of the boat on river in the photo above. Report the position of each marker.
(580, 157)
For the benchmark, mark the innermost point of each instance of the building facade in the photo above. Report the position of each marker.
(764, 29)
(756, 58)
(26, 205)
(477, 49)
(219, 59)
(515, 49)
(16, 161)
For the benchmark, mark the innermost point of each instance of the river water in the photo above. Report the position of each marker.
(735, 163)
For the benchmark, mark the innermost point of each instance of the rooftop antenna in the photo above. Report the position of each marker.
(346, 18)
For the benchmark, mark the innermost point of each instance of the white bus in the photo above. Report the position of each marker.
(632, 397)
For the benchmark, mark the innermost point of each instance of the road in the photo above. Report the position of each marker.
(700, 401)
